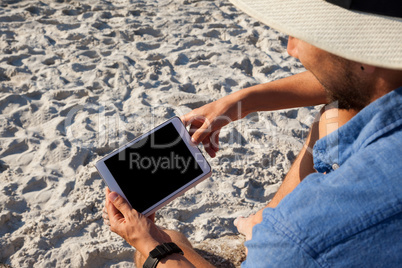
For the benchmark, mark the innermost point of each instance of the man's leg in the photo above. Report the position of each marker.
(329, 120)
(185, 245)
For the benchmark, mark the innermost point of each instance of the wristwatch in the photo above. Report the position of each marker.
(161, 252)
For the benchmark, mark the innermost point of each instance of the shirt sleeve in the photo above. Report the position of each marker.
(273, 245)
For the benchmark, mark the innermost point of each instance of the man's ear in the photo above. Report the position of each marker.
(368, 69)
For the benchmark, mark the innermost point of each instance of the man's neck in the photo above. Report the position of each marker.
(385, 81)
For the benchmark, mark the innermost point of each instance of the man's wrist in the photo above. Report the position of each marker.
(144, 247)
(251, 97)
(160, 252)
(240, 99)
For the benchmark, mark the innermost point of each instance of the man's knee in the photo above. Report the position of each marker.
(332, 118)
(327, 121)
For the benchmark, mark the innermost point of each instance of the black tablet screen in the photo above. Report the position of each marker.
(153, 168)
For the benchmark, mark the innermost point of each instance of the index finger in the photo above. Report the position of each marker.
(186, 118)
(107, 192)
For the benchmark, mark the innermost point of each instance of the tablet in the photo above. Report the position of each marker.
(155, 168)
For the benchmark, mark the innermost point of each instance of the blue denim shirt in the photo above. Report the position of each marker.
(348, 214)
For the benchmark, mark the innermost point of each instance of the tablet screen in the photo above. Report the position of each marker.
(154, 167)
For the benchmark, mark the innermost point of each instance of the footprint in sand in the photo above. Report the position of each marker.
(11, 102)
(141, 46)
(12, 18)
(90, 54)
(67, 27)
(17, 146)
(77, 67)
(15, 60)
(34, 184)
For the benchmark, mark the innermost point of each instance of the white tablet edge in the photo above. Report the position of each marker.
(195, 151)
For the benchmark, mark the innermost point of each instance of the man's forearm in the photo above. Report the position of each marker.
(295, 91)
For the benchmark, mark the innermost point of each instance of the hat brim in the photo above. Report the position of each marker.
(357, 36)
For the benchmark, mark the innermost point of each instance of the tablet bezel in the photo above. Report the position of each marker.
(194, 150)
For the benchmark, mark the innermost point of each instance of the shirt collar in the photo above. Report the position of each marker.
(375, 120)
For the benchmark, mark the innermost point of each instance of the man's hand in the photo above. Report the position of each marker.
(245, 225)
(135, 228)
(206, 122)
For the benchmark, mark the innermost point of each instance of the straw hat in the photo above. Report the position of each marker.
(356, 34)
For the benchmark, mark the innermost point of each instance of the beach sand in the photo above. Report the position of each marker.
(80, 78)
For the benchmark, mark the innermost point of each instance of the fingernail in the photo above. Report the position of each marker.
(193, 141)
(113, 196)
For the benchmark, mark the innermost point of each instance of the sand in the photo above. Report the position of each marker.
(80, 78)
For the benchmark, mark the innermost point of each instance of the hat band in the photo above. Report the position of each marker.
(391, 8)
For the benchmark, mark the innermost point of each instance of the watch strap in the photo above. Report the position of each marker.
(161, 252)
(150, 262)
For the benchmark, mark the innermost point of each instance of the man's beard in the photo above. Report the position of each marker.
(346, 88)
(348, 94)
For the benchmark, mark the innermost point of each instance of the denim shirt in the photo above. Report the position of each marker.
(349, 213)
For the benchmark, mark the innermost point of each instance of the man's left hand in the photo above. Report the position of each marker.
(245, 225)
(138, 230)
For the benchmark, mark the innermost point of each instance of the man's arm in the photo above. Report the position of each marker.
(295, 91)
(298, 90)
(328, 120)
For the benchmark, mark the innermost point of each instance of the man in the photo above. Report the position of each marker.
(341, 202)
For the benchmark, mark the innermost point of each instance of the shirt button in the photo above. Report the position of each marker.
(335, 166)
